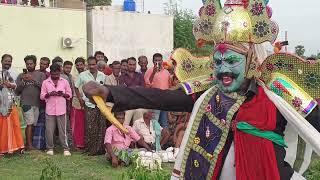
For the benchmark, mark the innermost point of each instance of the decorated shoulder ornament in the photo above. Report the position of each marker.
(194, 73)
(293, 79)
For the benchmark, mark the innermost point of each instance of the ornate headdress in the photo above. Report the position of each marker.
(242, 25)
(238, 21)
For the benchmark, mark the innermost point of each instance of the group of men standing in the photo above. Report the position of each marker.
(53, 100)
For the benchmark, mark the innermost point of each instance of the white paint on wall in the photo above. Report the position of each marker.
(123, 34)
(39, 31)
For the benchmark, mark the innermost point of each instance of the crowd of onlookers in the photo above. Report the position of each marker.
(54, 107)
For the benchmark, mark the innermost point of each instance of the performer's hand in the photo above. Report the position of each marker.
(115, 162)
(95, 89)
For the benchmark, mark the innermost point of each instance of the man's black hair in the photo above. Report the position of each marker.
(97, 53)
(80, 59)
(115, 63)
(91, 58)
(141, 57)
(132, 59)
(157, 55)
(45, 59)
(5, 56)
(67, 63)
(55, 67)
(57, 59)
(124, 61)
(31, 57)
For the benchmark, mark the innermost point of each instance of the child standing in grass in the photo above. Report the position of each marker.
(117, 144)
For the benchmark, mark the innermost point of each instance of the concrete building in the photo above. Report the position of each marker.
(39, 31)
(123, 34)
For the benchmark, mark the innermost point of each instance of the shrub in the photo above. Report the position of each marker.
(51, 171)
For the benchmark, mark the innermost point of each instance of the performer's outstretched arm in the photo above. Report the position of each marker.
(149, 98)
(125, 98)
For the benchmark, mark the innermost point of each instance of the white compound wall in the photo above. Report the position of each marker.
(123, 34)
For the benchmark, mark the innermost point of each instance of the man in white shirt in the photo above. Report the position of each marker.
(147, 129)
(6, 63)
(113, 79)
(95, 122)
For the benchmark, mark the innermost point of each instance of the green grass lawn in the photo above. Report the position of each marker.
(313, 172)
(78, 166)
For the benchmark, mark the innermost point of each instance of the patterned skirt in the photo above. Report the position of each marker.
(39, 131)
(10, 133)
(95, 129)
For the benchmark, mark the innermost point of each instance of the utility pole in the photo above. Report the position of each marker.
(142, 6)
(286, 39)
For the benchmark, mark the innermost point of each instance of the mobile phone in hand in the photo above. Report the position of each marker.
(60, 93)
(25, 71)
(158, 66)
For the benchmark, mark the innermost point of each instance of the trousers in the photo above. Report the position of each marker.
(51, 123)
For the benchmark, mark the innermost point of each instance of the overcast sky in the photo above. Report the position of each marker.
(300, 18)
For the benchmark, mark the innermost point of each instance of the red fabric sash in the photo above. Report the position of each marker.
(255, 156)
(77, 125)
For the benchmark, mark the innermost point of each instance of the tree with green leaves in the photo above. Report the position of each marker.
(183, 25)
(99, 2)
(300, 50)
(316, 56)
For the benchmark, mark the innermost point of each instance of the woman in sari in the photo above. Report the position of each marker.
(10, 133)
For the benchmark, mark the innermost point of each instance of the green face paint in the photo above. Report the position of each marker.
(230, 68)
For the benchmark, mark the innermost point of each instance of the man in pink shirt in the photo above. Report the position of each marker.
(55, 91)
(158, 77)
(116, 143)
